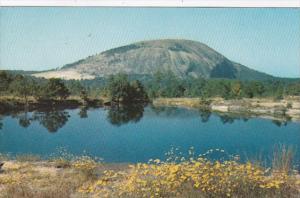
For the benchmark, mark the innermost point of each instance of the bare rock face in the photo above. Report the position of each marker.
(183, 57)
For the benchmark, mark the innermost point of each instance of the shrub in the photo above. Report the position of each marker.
(195, 178)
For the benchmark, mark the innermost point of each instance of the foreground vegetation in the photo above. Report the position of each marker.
(175, 177)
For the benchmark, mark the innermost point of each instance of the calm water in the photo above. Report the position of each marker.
(138, 134)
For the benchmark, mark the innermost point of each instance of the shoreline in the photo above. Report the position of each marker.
(285, 109)
(14, 104)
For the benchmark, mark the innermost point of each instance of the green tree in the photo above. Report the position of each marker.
(122, 91)
(247, 91)
(225, 89)
(55, 88)
(254, 88)
(84, 95)
(22, 87)
(138, 92)
(5, 80)
(74, 86)
(118, 88)
(40, 93)
(220, 88)
(259, 88)
(294, 89)
(196, 87)
(236, 89)
(154, 87)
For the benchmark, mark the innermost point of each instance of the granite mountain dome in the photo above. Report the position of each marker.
(182, 57)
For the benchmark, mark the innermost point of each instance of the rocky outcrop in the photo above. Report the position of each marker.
(183, 57)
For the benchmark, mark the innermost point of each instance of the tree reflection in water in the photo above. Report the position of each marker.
(280, 123)
(204, 115)
(119, 115)
(226, 119)
(52, 120)
(83, 112)
(24, 120)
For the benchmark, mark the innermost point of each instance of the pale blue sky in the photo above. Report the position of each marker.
(265, 39)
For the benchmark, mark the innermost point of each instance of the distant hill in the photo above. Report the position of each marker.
(183, 57)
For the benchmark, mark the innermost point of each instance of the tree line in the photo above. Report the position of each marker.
(123, 88)
(169, 85)
(25, 86)
(117, 88)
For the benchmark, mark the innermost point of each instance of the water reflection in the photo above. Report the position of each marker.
(24, 120)
(83, 112)
(1, 124)
(119, 115)
(172, 112)
(280, 123)
(54, 119)
(226, 119)
(204, 115)
(51, 119)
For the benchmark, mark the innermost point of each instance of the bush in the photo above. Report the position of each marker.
(195, 178)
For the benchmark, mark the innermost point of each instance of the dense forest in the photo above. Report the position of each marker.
(126, 88)
(168, 85)
(25, 86)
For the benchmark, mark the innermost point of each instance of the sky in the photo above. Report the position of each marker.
(36, 38)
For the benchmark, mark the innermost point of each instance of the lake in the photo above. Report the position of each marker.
(137, 134)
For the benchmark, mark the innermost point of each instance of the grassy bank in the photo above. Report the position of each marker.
(197, 177)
